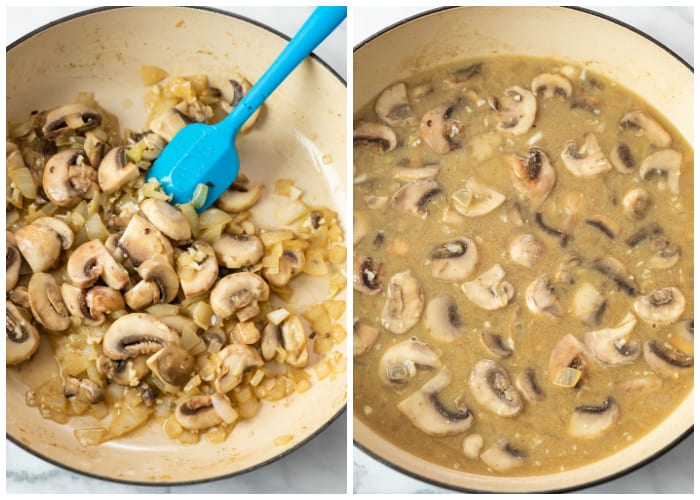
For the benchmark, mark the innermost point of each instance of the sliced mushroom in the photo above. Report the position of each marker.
(540, 297)
(492, 389)
(516, 111)
(442, 320)
(610, 345)
(159, 284)
(548, 85)
(134, 334)
(476, 199)
(404, 303)
(197, 412)
(95, 146)
(502, 456)
(567, 361)
(615, 270)
(46, 302)
(68, 178)
(19, 296)
(92, 304)
(587, 160)
(425, 410)
(374, 136)
(141, 241)
(661, 307)
(13, 261)
(172, 364)
(91, 261)
(664, 160)
(294, 342)
(665, 257)
(392, 106)
(472, 445)
(454, 260)
(127, 372)
(367, 275)
(665, 360)
(642, 124)
(40, 246)
(605, 225)
(568, 263)
(488, 290)
(526, 383)
(74, 386)
(236, 359)
(636, 203)
(401, 361)
(563, 237)
(466, 73)
(589, 304)
(116, 170)
(239, 294)
(240, 86)
(622, 159)
(590, 422)
(525, 250)
(236, 251)
(440, 132)
(197, 268)
(291, 264)
(240, 196)
(21, 337)
(533, 175)
(271, 340)
(495, 344)
(364, 336)
(412, 198)
(427, 171)
(167, 219)
(75, 116)
(640, 385)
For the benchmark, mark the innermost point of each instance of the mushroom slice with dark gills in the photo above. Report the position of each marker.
(21, 337)
(615, 270)
(526, 383)
(492, 389)
(590, 422)
(604, 224)
(374, 136)
(664, 160)
(47, 303)
(240, 196)
(91, 261)
(84, 386)
(488, 290)
(141, 241)
(135, 334)
(442, 320)
(239, 294)
(610, 345)
(466, 73)
(197, 268)
(661, 307)
(404, 303)
(290, 264)
(567, 361)
(13, 261)
(116, 170)
(294, 342)
(92, 304)
(532, 175)
(476, 199)
(642, 124)
(236, 251)
(425, 410)
(495, 344)
(589, 304)
(235, 360)
(128, 372)
(74, 116)
(622, 159)
(167, 219)
(367, 275)
(517, 111)
(401, 361)
(525, 250)
(40, 245)
(159, 284)
(540, 297)
(502, 456)
(197, 412)
(666, 360)
(549, 85)
(392, 106)
(587, 160)
(440, 132)
(364, 336)
(67, 178)
(636, 203)
(412, 198)
(454, 260)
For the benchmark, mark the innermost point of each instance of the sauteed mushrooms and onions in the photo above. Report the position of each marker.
(528, 274)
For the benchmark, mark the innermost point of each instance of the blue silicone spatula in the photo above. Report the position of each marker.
(201, 154)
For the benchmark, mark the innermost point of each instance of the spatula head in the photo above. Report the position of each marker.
(198, 154)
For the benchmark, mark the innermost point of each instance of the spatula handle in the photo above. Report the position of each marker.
(320, 24)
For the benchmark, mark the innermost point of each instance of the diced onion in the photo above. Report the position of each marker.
(567, 377)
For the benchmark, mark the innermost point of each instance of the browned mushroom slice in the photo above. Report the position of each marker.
(492, 389)
(636, 203)
(197, 412)
(392, 106)
(439, 131)
(92, 304)
(74, 116)
(664, 160)
(239, 294)
(47, 303)
(517, 111)
(21, 337)
(666, 360)
(116, 170)
(454, 260)
(661, 307)
(549, 85)
(611, 346)
(134, 334)
(401, 361)
(615, 270)
(412, 198)
(404, 303)
(235, 359)
(532, 175)
(84, 386)
(425, 410)
(540, 297)
(586, 160)
(364, 337)
(590, 421)
(13, 261)
(374, 136)
(442, 319)
(126, 372)
(642, 124)
(489, 291)
(367, 275)
(141, 241)
(502, 456)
